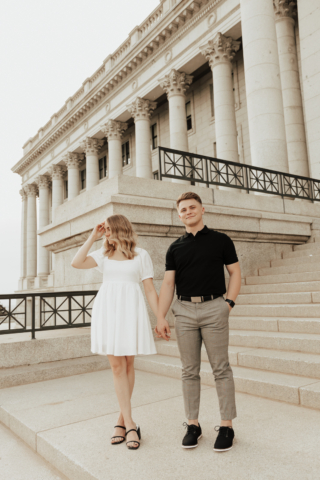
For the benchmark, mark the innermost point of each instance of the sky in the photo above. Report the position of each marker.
(47, 49)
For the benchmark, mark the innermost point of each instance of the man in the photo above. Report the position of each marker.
(195, 264)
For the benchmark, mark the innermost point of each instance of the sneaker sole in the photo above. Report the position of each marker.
(192, 446)
(219, 450)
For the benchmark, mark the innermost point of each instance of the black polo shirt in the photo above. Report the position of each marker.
(199, 260)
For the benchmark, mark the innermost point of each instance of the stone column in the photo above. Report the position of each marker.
(175, 85)
(91, 147)
(57, 187)
(141, 111)
(32, 191)
(113, 130)
(73, 160)
(43, 254)
(23, 238)
(286, 12)
(263, 86)
(220, 52)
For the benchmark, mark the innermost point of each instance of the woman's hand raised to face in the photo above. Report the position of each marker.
(98, 231)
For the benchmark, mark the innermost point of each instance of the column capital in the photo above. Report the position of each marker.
(43, 181)
(23, 194)
(113, 129)
(91, 145)
(141, 109)
(175, 83)
(285, 9)
(220, 49)
(73, 160)
(57, 172)
(31, 190)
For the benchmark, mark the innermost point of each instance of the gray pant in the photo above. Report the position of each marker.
(207, 321)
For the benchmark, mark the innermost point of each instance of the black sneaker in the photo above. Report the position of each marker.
(190, 440)
(224, 439)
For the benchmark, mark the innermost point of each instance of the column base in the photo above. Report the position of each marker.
(43, 281)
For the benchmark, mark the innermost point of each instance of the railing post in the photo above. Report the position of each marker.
(160, 169)
(33, 319)
(247, 179)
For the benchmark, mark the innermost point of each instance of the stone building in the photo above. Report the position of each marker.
(235, 80)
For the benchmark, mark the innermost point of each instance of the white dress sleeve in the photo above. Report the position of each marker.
(99, 257)
(146, 265)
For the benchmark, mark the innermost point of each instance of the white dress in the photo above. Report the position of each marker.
(120, 322)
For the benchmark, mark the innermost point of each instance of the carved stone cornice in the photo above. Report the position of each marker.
(31, 190)
(91, 146)
(43, 181)
(141, 109)
(113, 129)
(73, 160)
(175, 83)
(220, 49)
(23, 194)
(285, 9)
(160, 37)
(57, 172)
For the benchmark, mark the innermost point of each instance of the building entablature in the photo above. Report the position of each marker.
(163, 26)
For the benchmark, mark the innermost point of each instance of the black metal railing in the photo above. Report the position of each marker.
(214, 171)
(36, 312)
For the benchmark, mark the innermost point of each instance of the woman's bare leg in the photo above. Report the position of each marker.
(124, 389)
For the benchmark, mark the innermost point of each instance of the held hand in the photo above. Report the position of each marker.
(98, 231)
(163, 330)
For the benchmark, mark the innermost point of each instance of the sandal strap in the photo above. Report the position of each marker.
(131, 441)
(119, 426)
(118, 436)
(132, 430)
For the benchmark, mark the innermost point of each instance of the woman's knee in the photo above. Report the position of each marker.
(118, 366)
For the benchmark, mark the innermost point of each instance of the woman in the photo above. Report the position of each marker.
(120, 326)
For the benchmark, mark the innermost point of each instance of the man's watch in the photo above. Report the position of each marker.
(231, 302)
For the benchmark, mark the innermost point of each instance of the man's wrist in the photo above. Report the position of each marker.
(231, 302)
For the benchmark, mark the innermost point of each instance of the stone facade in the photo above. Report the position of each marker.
(230, 79)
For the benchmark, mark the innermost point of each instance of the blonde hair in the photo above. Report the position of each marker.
(123, 236)
(188, 196)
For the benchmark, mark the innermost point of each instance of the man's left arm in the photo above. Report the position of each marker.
(234, 281)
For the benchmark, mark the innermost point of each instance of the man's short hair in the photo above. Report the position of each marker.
(188, 196)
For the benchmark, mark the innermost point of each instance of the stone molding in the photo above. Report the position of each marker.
(91, 146)
(220, 49)
(285, 9)
(113, 129)
(141, 109)
(175, 83)
(31, 190)
(43, 181)
(180, 21)
(73, 160)
(57, 172)
(23, 194)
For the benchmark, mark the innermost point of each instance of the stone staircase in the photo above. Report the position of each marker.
(274, 333)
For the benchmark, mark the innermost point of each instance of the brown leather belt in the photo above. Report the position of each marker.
(203, 298)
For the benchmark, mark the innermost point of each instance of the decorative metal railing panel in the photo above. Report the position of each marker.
(214, 171)
(35, 312)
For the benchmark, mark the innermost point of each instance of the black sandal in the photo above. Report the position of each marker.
(118, 436)
(137, 430)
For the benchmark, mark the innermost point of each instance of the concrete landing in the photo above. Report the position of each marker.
(69, 422)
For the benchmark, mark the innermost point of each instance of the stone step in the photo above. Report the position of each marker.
(289, 341)
(314, 250)
(275, 324)
(301, 260)
(42, 350)
(307, 246)
(305, 267)
(272, 385)
(22, 375)
(311, 310)
(294, 363)
(296, 342)
(281, 288)
(283, 278)
(277, 298)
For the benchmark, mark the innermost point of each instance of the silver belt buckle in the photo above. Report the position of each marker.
(196, 299)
